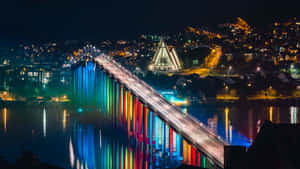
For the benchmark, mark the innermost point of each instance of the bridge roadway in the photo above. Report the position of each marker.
(195, 132)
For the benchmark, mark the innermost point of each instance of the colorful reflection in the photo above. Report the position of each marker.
(84, 83)
(90, 148)
(151, 139)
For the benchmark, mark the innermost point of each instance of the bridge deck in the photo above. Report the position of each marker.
(191, 129)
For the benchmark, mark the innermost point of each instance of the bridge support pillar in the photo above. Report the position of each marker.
(117, 103)
(178, 145)
(140, 109)
(184, 151)
(145, 134)
(156, 122)
(134, 115)
(193, 156)
(128, 113)
(150, 129)
(163, 143)
(198, 159)
(189, 154)
(120, 104)
(124, 107)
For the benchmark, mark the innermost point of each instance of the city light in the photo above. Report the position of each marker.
(193, 95)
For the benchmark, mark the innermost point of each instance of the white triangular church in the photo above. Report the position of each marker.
(164, 59)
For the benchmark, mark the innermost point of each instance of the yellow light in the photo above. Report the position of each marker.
(271, 113)
(226, 121)
(64, 119)
(186, 102)
(4, 119)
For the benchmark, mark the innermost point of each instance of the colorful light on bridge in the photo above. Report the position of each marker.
(97, 89)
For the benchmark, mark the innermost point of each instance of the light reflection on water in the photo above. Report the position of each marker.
(239, 124)
(4, 111)
(69, 140)
(44, 122)
(61, 137)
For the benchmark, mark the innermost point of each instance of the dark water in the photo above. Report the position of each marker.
(63, 137)
(239, 124)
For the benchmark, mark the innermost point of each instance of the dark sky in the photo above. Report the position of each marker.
(125, 19)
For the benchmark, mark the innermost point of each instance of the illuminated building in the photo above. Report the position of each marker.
(165, 59)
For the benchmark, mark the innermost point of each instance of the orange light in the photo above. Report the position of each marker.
(271, 114)
(4, 119)
(226, 122)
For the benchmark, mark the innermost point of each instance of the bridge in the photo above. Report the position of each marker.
(146, 114)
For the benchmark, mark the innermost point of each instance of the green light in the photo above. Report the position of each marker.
(126, 158)
(203, 162)
(111, 157)
(131, 159)
(122, 156)
(107, 153)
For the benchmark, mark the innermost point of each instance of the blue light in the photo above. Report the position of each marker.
(79, 110)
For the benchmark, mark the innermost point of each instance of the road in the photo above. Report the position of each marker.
(195, 132)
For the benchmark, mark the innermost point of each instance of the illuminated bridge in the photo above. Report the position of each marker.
(147, 116)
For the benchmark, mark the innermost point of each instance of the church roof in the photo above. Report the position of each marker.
(165, 59)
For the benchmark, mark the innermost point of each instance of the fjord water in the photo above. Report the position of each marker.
(61, 136)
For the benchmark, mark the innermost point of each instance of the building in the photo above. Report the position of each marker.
(165, 60)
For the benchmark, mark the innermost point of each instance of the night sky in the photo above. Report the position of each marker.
(121, 19)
